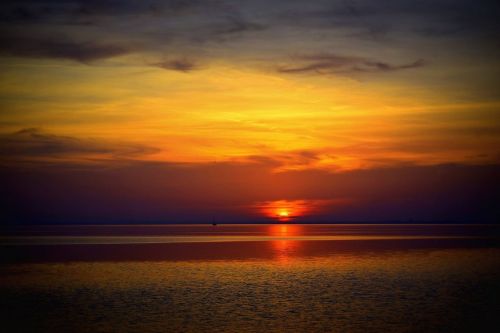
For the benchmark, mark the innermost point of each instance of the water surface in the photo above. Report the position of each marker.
(260, 278)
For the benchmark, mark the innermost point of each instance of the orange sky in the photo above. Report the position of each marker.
(227, 113)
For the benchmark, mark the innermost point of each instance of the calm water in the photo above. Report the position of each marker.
(252, 278)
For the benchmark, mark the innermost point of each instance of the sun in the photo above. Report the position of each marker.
(283, 213)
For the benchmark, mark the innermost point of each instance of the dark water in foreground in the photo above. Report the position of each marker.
(265, 278)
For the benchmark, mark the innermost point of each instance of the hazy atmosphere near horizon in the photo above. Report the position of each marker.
(250, 166)
(187, 111)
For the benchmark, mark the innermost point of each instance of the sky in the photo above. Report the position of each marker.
(246, 111)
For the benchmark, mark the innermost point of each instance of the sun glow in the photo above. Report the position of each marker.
(296, 210)
(283, 210)
(283, 215)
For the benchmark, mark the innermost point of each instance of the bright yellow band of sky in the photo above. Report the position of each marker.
(231, 112)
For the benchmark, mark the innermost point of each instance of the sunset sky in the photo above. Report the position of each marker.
(193, 110)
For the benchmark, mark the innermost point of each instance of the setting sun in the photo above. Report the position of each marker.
(283, 213)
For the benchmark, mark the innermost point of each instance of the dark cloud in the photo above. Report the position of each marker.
(35, 143)
(298, 158)
(120, 7)
(96, 30)
(23, 15)
(377, 66)
(211, 19)
(338, 64)
(76, 11)
(30, 12)
(87, 31)
(84, 52)
(220, 29)
(181, 65)
(235, 25)
(427, 17)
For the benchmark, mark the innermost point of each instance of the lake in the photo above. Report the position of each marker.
(250, 278)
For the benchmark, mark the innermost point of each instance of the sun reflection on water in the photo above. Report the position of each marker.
(283, 247)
